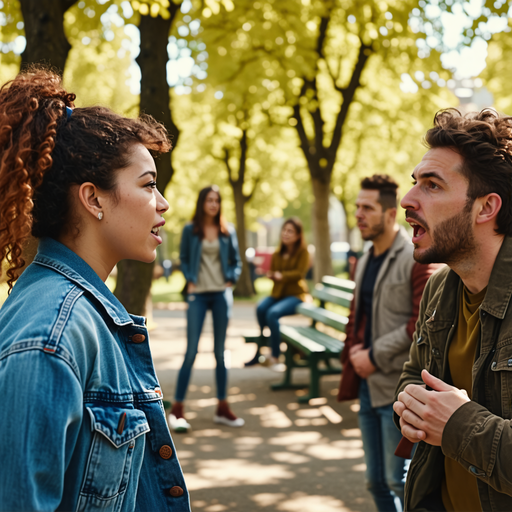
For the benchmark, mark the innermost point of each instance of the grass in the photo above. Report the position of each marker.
(170, 291)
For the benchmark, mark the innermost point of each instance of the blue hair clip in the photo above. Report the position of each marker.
(69, 111)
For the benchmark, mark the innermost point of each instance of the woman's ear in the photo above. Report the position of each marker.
(490, 206)
(91, 199)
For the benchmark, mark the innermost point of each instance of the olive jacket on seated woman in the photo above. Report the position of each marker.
(293, 271)
(190, 254)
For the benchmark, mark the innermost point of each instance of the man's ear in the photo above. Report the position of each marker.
(489, 207)
(91, 198)
(391, 213)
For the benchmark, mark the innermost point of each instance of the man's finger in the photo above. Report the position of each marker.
(413, 419)
(399, 407)
(410, 432)
(435, 383)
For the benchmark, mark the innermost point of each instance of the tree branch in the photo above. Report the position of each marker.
(348, 94)
(249, 196)
(232, 182)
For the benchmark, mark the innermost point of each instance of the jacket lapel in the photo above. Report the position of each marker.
(398, 243)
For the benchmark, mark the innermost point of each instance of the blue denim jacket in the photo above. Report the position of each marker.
(83, 425)
(190, 255)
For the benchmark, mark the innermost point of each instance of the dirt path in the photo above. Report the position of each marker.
(288, 457)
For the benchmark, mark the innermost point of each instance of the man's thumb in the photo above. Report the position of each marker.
(434, 383)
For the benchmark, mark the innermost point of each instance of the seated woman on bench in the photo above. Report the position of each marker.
(288, 269)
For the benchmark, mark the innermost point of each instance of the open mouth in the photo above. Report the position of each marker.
(155, 231)
(418, 231)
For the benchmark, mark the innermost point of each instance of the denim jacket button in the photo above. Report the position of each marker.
(176, 491)
(138, 338)
(165, 452)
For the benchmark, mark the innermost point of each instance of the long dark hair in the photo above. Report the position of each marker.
(300, 243)
(47, 146)
(198, 218)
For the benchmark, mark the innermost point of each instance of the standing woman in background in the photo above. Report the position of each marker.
(211, 265)
(83, 425)
(288, 270)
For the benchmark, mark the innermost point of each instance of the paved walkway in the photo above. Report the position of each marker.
(288, 457)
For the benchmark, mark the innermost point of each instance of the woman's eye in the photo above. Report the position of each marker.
(151, 184)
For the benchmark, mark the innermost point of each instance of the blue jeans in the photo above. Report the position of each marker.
(269, 311)
(385, 472)
(220, 304)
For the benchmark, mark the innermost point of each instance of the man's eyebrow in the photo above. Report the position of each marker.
(153, 173)
(426, 175)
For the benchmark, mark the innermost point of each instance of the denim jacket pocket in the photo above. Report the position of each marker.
(115, 430)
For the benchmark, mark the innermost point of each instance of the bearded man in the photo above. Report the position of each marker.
(389, 285)
(455, 393)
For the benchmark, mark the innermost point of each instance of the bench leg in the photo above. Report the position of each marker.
(314, 379)
(262, 342)
(287, 381)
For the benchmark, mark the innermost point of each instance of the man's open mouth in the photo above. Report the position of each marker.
(418, 230)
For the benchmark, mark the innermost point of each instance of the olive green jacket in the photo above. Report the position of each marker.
(479, 434)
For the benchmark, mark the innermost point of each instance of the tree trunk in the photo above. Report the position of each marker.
(244, 287)
(133, 285)
(44, 32)
(46, 43)
(321, 234)
(134, 278)
(154, 89)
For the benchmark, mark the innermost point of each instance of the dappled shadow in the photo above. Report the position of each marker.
(287, 457)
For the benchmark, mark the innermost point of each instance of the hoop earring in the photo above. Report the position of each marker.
(100, 215)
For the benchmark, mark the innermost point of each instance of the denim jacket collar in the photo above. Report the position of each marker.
(59, 258)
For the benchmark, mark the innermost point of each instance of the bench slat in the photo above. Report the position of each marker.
(323, 315)
(345, 285)
(310, 340)
(327, 294)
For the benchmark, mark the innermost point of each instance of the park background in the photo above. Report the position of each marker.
(284, 104)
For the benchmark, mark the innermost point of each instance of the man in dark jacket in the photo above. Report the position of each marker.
(460, 210)
(389, 284)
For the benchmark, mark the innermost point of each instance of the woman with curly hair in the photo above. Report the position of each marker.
(83, 423)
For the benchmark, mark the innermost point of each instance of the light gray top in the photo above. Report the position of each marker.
(210, 277)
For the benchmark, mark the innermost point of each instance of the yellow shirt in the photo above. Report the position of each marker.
(459, 488)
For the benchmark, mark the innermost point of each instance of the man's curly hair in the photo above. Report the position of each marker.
(484, 141)
(43, 153)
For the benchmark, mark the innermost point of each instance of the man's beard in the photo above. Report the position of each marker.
(375, 231)
(452, 241)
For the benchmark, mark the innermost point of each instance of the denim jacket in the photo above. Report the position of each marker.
(190, 255)
(83, 425)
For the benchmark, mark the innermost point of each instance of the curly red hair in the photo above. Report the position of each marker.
(43, 153)
(25, 146)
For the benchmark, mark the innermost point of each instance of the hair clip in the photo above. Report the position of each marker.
(69, 111)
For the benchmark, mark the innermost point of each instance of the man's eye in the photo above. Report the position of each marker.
(433, 186)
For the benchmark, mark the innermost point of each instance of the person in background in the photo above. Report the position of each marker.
(389, 285)
(288, 269)
(83, 425)
(211, 265)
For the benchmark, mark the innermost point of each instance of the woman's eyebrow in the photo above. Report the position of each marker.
(153, 173)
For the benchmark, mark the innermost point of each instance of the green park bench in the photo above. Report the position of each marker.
(308, 346)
